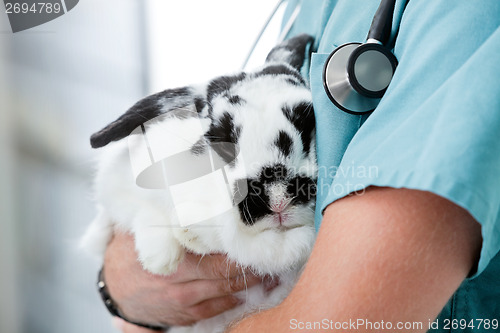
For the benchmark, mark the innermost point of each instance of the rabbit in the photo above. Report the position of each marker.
(259, 127)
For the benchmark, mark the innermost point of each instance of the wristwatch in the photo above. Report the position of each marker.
(113, 309)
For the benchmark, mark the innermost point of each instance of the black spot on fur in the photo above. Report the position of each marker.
(273, 174)
(281, 70)
(199, 104)
(302, 117)
(223, 84)
(284, 143)
(255, 205)
(223, 130)
(235, 99)
(142, 111)
(301, 189)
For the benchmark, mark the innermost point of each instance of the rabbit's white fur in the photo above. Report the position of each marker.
(270, 246)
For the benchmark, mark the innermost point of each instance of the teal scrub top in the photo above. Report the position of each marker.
(436, 129)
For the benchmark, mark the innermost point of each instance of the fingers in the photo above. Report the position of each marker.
(202, 310)
(211, 267)
(194, 292)
(230, 286)
(213, 307)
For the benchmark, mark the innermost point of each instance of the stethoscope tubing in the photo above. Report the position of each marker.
(346, 93)
(284, 32)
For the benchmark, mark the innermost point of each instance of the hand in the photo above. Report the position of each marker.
(201, 288)
(125, 327)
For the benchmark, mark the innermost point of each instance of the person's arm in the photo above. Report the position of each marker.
(201, 287)
(395, 255)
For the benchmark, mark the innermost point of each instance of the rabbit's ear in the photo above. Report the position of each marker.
(144, 110)
(292, 51)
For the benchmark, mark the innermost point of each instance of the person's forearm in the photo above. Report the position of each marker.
(389, 256)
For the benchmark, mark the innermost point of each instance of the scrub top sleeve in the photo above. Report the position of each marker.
(437, 128)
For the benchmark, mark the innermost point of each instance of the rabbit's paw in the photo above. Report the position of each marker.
(159, 252)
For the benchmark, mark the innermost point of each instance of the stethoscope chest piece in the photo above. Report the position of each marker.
(355, 76)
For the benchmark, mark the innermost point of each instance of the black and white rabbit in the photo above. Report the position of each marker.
(267, 114)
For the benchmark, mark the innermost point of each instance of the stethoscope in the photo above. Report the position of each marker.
(356, 75)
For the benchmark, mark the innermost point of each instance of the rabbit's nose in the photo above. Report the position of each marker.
(280, 205)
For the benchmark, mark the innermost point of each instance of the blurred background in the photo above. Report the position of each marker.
(59, 83)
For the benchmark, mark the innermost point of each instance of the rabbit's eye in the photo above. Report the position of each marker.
(302, 118)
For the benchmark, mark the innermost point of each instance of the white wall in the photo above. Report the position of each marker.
(192, 41)
(9, 301)
(63, 81)
(59, 83)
